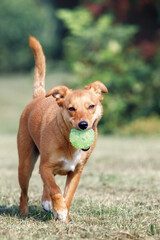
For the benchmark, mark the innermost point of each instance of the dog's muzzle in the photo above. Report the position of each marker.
(85, 150)
(83, 125)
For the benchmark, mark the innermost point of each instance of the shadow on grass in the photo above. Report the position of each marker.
(34, 213)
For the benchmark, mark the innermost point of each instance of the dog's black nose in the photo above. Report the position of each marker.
(83, 125)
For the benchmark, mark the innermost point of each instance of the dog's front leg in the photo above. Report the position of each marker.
(59, 207)
(71, 185)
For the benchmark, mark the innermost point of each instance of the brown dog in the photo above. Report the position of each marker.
(44, 129)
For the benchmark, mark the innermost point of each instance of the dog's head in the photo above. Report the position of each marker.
(81, 108)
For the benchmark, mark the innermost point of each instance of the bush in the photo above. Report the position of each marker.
(145, 126)
(101, 50)
(18, 20)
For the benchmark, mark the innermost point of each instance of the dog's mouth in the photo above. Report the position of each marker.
(85, 150)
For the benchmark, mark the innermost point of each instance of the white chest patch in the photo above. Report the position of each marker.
(70, 165)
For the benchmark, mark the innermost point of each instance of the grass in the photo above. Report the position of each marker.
(118, 196)
(119, 193)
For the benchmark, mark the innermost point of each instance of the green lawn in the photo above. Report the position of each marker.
(118, 196)
(119, 193)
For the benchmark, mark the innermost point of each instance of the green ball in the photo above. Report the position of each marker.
(81, 139)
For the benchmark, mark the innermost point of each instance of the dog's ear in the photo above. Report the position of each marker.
(59, 93)
(98, 87)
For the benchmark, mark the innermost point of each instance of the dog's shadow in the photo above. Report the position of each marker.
(34, 213)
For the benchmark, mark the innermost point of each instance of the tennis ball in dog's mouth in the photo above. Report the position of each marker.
(81, 139)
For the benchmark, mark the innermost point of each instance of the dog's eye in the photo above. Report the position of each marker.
(71, 109)
(91, 106)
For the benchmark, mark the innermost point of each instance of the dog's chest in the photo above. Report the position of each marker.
(70, 165)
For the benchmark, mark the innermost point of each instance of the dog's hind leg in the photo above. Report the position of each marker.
(28, 154)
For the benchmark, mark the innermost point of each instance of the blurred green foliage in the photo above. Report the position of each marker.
(143, 125)
(96, 48)
(99, 49)
(18, 20)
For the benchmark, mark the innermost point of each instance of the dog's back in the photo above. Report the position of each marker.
(40, 107)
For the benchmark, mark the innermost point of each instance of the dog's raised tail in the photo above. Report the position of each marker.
(40, 67)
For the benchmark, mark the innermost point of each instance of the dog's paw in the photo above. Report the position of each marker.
(61, 215)
(24, 212)
(47, 206)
